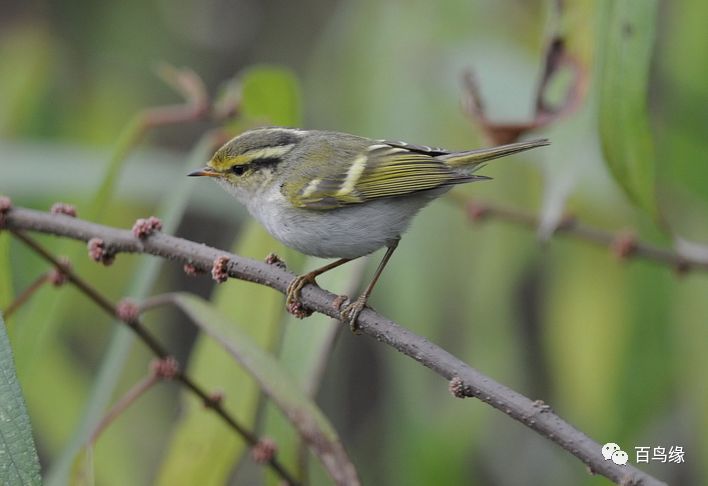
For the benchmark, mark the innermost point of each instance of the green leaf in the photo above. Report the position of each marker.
(271, 95)
(40, 327)
(624, 123)
(202, 450)
(305, 352)
(19, 463)
(282, 388)
(118, 350)
(36, 332)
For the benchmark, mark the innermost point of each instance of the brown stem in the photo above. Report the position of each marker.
(557, 58)
(196, 103)
(157, 349)
(94, 295)
(126, 400)
(570, 227)
(26, 294)
(529, 412)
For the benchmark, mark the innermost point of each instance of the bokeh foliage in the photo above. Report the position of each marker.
(615, 347)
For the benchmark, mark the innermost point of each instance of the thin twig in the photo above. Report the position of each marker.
(533, 414)
(558, 57)
(624, 244)
(196, 103)
(26, 294)
(151, 342)
(126, 400)
(501, 133)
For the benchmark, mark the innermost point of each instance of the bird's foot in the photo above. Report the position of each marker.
(350, 314)
(292, 295)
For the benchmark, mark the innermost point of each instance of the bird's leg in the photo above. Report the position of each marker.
(293, 293)
(351, 313)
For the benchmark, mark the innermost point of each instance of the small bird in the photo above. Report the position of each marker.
(336, 195)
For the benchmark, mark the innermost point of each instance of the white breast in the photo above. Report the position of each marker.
(347, 232)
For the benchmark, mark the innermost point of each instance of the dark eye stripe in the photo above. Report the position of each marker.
(265, 161)
(240, 169)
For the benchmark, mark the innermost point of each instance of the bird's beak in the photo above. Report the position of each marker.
(206, 171)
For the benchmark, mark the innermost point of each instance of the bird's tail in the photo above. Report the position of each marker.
(473, 158)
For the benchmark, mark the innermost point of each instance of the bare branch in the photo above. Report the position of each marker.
(133, 322)
(130, 397)
(26, 294)
(556, 59)
(533, 414)
(623, 244)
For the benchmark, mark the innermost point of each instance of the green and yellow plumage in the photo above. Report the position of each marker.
(335, 195)
(345, 169)
(332, 170)
(379, 171)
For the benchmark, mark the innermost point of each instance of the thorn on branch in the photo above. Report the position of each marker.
(273, 259)
(457, 388)
(165, 369)
(624, 245)
(99, 251)
(57, 276)
(220, 269)
(264, 450)
(191, 270)
(127, 311)
(145, 227)
(63, 208)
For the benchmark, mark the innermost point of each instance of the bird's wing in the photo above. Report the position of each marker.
(421, 149)
(378, 170)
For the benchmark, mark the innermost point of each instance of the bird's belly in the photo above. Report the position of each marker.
(347, 232)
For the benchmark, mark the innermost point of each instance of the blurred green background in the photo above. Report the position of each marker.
(617, 348)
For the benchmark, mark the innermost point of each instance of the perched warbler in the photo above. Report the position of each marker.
(335, 195)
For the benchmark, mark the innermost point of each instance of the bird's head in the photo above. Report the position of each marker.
(248, 163)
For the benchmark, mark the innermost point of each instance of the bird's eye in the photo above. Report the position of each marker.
(238, 169)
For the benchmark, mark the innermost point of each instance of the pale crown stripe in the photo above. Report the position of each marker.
(353, 175)
(266, 152)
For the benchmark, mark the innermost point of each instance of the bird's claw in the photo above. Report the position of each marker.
(292, 295)
(350, 314)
